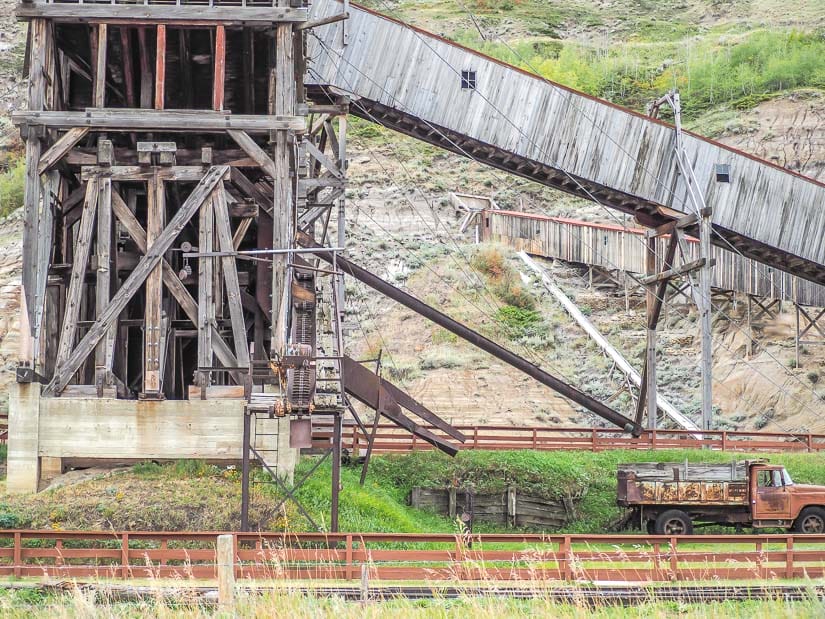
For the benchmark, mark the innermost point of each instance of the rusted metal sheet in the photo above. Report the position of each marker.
(684, 492)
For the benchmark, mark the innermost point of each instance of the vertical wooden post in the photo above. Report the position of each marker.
(160, 67)
(99, 87)
(349, 574)
(789, 563)
(104, 353)
(226, 572)
(128, 67)
(565, 558)
(155, 210)
(650, 358)
(124, 555)
(39, 31)
(220, 68)
(206, 305)
(18, 554)
(282, 102)
(146, 78)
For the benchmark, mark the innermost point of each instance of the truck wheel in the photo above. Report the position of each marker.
(673, 522)
(811, 520)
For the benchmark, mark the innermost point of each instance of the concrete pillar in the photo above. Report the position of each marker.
(50, 468)
(287, 456)
(24, 426)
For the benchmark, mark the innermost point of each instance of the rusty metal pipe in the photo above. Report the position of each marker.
(475, 338)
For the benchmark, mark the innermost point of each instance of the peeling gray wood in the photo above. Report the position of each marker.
(114, 119)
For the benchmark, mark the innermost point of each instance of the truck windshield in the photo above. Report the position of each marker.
(786, 479)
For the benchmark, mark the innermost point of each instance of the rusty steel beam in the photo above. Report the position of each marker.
(475, 338)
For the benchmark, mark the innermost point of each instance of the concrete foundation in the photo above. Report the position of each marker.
(48, 434)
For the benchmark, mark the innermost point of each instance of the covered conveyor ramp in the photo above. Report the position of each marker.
(411, 81)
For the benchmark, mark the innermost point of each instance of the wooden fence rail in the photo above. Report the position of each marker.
(400, 556)
(391, 439)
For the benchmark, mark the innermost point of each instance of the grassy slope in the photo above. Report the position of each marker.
(191, 495)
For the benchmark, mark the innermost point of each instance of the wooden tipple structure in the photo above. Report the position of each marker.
(185, 219)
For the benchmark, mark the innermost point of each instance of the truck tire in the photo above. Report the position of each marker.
(673, 522)
(811, 520)
(650, 526)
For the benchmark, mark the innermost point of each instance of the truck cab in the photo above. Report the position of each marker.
(776, 501)
(672, 498)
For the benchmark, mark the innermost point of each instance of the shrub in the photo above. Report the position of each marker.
(11, 187)
(519, 321)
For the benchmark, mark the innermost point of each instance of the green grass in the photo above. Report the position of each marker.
(33, 603)
(190, 494)
(11, 187)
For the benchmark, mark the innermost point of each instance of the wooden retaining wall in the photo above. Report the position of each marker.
(509, 507)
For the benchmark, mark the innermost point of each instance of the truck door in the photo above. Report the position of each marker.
(770, 498)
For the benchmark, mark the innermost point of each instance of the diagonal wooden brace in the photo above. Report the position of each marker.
(64, 372)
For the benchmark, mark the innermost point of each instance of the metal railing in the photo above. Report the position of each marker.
(406, 557)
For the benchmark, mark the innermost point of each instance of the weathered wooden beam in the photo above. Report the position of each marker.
(113, 119)
(230, 273)
(219, 73)
(251, 190)
(80, 260)
(59, 149)
(154, 255)
(240, 231)
(254, 151)
(206, 304)
(175, 15)
(282, 100)
(155, 215)
(104, 356)
(172, 281)
(145, 174)
(160, 67)
(319, 156)
(323, 21)
(674, 272)
(146, 78)
(38, 35)
(128, 66)
(99, 85)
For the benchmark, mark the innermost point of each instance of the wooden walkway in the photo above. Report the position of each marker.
(617, 248)
(390, 439)
(450, 96)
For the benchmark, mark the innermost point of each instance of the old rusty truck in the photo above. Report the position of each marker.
(672, 498)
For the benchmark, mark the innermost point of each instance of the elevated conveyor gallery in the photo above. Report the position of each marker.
(450, 96)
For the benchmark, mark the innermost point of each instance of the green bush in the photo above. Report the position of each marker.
(11, 187)
(519, 321)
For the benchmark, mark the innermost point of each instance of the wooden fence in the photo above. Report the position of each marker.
(392, 439)
(400, 556)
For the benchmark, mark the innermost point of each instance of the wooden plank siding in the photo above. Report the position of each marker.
(616, 248)
(563, 138)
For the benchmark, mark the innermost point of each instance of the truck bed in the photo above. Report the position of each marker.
(666, 483)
